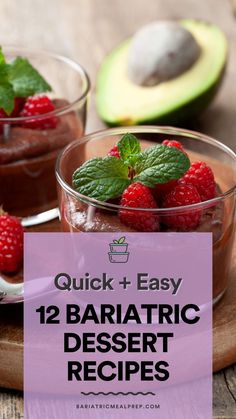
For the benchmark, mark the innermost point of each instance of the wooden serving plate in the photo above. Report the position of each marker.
(11, 329)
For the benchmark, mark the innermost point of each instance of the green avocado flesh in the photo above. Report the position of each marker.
(121, 102)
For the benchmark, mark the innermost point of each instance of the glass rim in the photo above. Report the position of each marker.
(9, 49)
(147, 129)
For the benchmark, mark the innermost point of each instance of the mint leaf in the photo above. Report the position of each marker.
(160, 164)
(6, 90)
(19, 78)
(101, 178)
(132, 160)
(6, 97)
(2, 58)
(129, 148)
(116, 241)
(4, 69)
(25, 79)
(121, 240)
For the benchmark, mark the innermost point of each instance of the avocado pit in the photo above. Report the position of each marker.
(161, 51)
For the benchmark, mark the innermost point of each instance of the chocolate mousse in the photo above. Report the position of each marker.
(33, 129)
(27, 161)
(213, 220)
(196, 182)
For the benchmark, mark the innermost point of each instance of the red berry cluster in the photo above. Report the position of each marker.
(11, 243)
(139, 196)
(31, 107)
(114, 152)
(197, 185)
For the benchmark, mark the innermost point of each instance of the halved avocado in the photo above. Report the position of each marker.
(121, 102)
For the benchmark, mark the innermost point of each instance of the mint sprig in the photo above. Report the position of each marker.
(2, 58)
(6, 92)
(160, 164)
(25, 79)
(101, 178)
(18, 79)
(106, 178)
(129, 148)
(7, 96)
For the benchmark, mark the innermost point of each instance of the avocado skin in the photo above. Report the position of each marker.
(179, 117)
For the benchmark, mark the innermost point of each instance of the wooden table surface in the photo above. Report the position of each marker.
(86, 30)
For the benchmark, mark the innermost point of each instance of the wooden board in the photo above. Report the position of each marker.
(11, 331)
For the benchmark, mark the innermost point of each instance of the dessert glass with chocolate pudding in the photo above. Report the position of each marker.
(47, 111)
(151, 179)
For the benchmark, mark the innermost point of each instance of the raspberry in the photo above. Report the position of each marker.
(11, 243)
(173, 143)
(19, 105)
(162, 189)
(39, 105)
(201, 176)
(114, 152)
(139, 196)
(182, 195)
(2, 115)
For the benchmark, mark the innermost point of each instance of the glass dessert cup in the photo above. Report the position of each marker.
(28, 156)
(80, 213)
